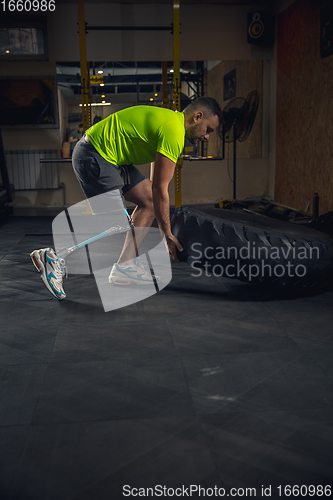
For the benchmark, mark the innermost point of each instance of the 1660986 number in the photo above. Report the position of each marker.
(28, 5)
(305, 491)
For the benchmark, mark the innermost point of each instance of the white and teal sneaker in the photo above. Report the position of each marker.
(135, 273)
(52, 270)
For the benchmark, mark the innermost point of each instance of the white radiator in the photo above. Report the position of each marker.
(26, 172)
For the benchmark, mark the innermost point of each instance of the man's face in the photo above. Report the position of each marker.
(201, 127)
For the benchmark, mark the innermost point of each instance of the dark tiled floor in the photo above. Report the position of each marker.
(210, 383)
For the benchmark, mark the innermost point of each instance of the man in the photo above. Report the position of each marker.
(104, 159)
(74, 136)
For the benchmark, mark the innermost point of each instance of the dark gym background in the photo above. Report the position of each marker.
(210, 383)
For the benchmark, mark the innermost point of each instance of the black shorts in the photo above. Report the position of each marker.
(97, 176)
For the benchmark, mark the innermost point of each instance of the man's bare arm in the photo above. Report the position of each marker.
(163, 173)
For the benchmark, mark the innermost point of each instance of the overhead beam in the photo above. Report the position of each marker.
(130, 28)
(140, 78)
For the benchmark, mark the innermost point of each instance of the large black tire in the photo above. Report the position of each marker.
(256, 248)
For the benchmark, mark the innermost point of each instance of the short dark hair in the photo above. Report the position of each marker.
(206, 103)
(80, 126)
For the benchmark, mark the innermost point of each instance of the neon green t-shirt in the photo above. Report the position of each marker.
(134, 135)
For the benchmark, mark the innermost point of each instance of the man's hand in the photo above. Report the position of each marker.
(173, 243)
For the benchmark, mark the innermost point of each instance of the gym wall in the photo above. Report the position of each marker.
(209, 181)
(213, 32)
(249, 76)
(208, 32)
(304, 148)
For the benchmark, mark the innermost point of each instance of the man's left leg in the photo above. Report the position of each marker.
(143, 216)
(128, 268)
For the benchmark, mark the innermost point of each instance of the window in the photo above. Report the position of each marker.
(22, 41)
(23, 38)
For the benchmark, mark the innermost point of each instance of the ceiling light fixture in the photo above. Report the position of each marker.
(98, 104)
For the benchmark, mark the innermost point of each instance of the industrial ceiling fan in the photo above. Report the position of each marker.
(239, 115)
